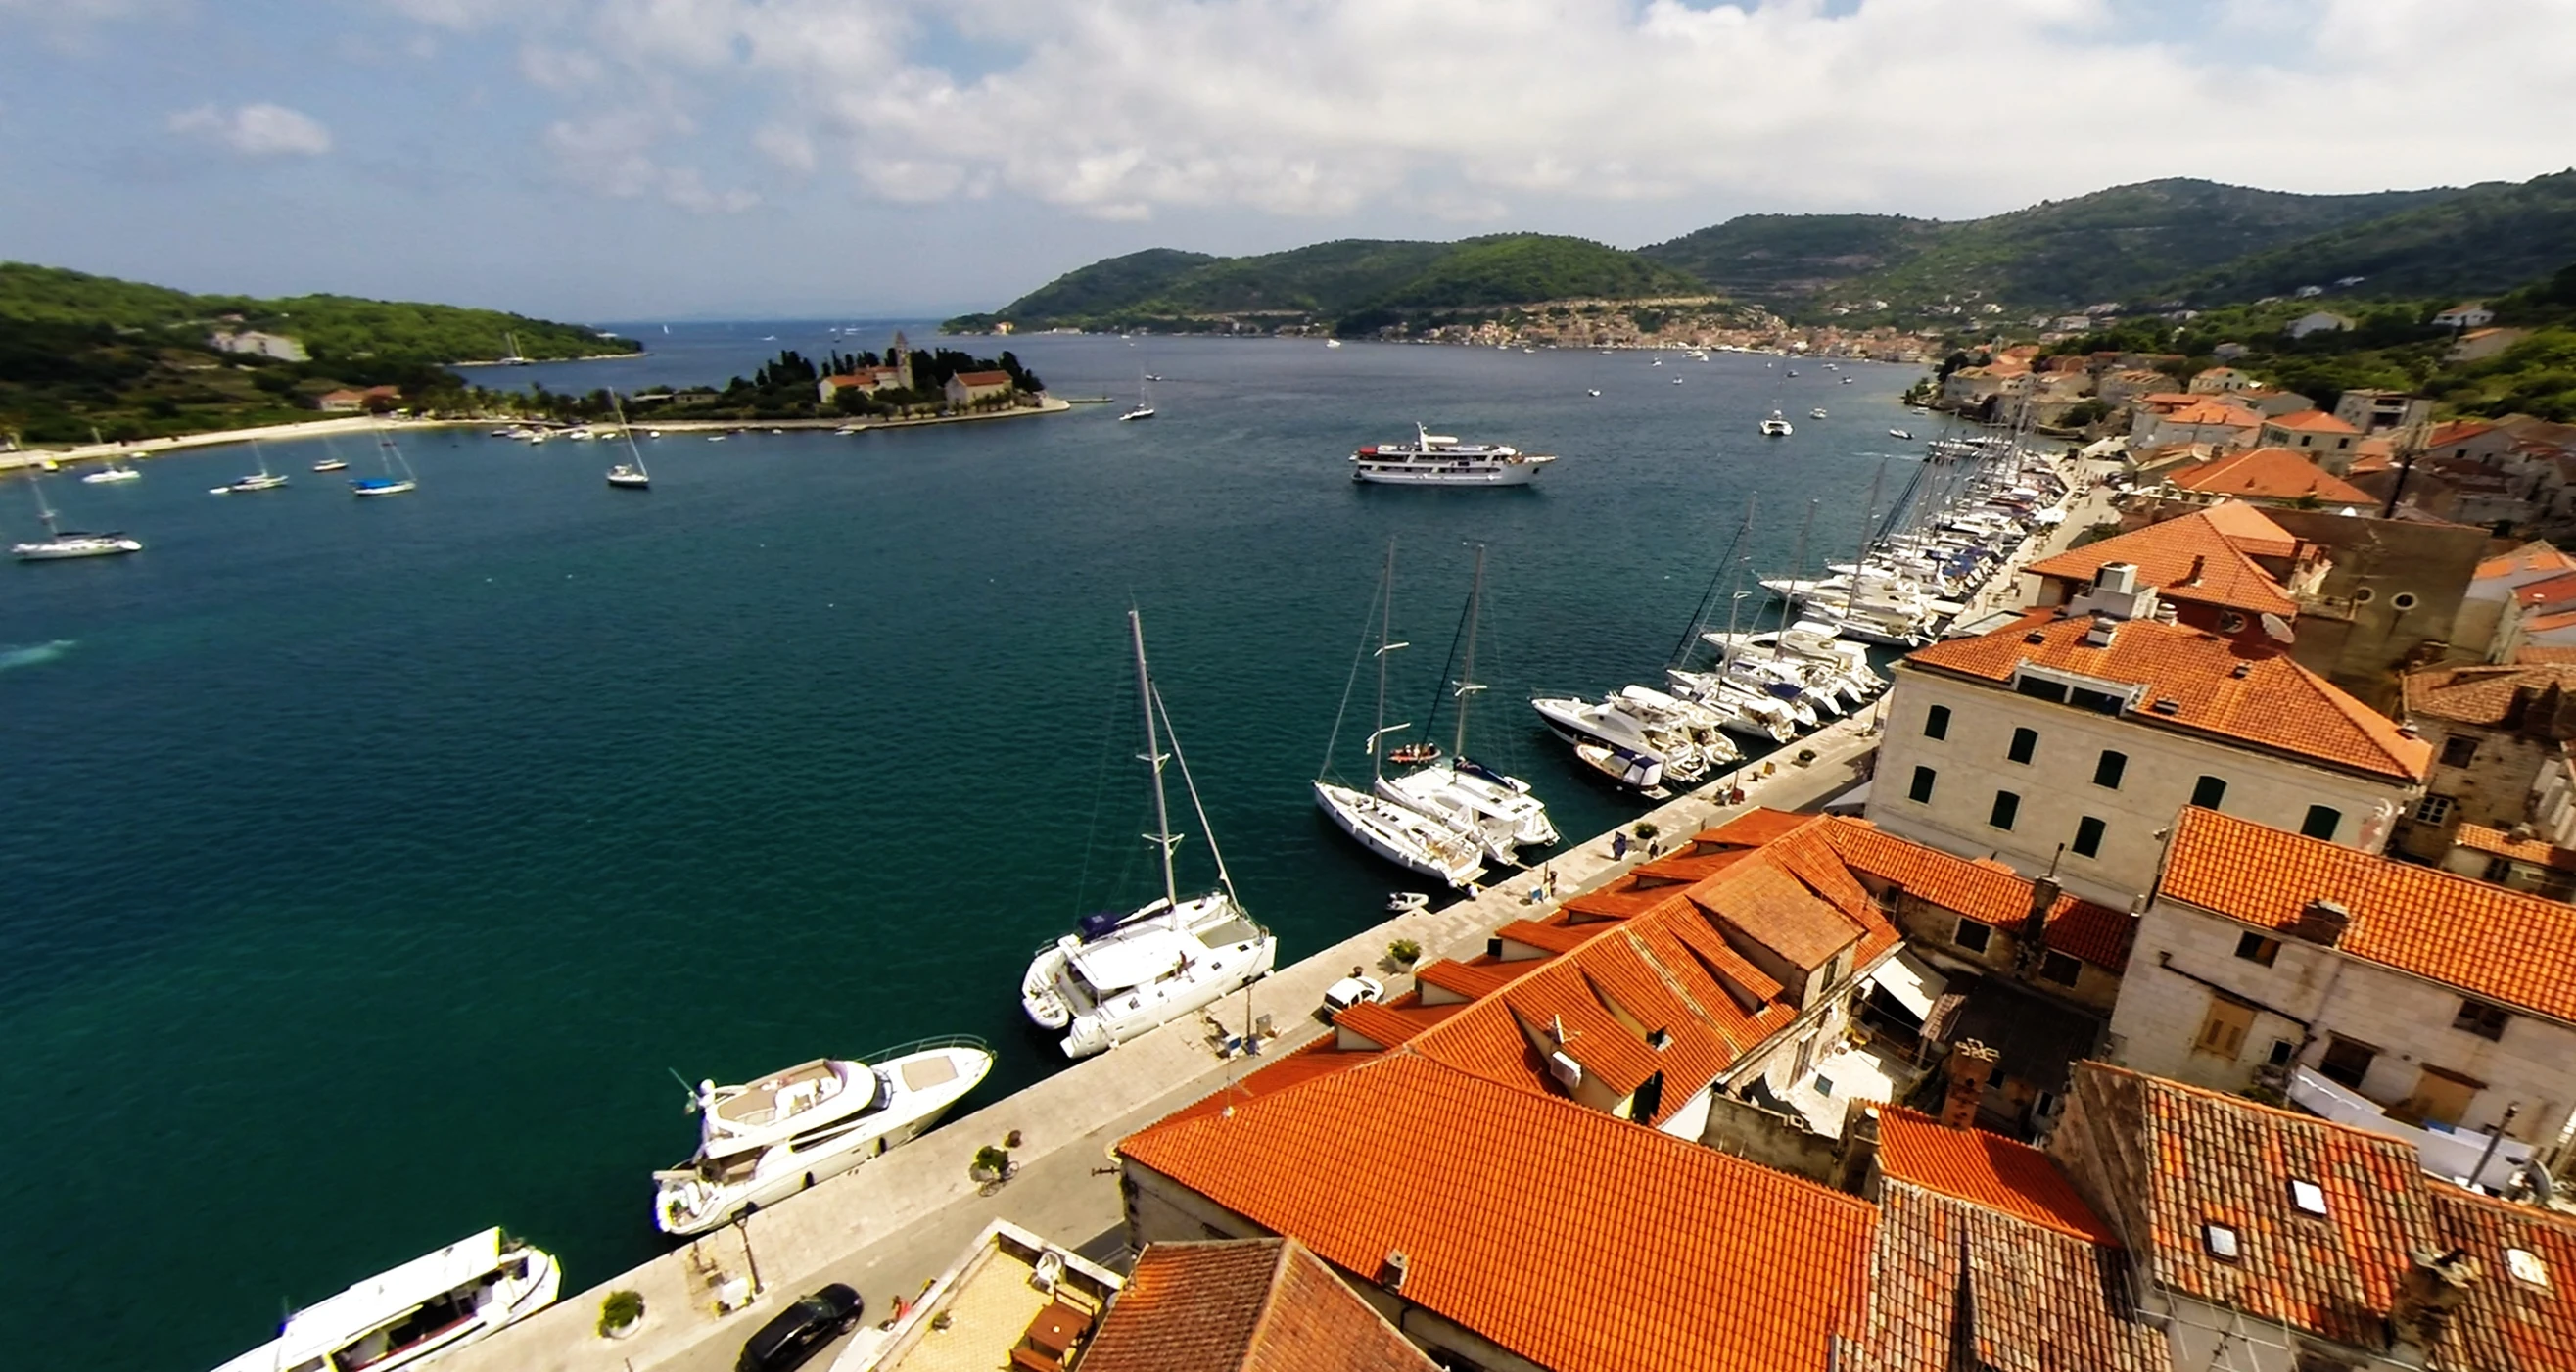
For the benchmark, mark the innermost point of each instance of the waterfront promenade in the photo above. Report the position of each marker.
(892, 1225)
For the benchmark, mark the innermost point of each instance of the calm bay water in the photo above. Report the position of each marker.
(364, 864)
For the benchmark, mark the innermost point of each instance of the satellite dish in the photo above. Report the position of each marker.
(2278, 629)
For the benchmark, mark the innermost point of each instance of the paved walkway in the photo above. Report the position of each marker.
(891, 1226)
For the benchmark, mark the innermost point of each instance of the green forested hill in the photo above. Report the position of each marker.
(1349, 282)
(2486, 238)
(1787, 257)
(329, 326)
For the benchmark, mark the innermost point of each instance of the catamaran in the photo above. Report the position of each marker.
(60, 543)
(1441, 460)
(1777, 426)
(1119, 976)
(1430, 845)
(432, 1305)
(763, 1141)
(1497, 810)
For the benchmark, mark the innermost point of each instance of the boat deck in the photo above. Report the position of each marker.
(798, 1088)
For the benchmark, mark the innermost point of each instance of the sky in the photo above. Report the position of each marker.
(637, 159)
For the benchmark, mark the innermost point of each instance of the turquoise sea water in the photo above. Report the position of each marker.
(364, 864)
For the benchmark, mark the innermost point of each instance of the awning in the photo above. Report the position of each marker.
(1908, 982)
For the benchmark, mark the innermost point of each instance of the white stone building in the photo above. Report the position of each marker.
(2068, 741)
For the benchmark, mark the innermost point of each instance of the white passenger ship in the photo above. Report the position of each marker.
(767, 1140)
(1441, 460)
(432, 1305)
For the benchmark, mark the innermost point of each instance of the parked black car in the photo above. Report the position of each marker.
(792, 1335)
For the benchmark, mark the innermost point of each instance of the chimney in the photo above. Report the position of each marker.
(2099, 636)
(2117, 578)
(2322, 922)
(2034, 921)
(1396, 1264)
(2199, 563)
(1970, 1064)
(2435, 1285)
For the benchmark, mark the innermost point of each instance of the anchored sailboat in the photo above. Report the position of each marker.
(630, 474)
(262, 480)
(1426, 844)
(60, 543)
(398, 476)
(1463, 793)
(1123, 975)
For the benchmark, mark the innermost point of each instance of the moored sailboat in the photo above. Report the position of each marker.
(398, 477)
(60, 544)
(1426, 844)
(1496, 809)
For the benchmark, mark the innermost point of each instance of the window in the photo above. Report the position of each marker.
(2433, 809)
(1936, 722)
(2479, 1018)
(2099, 702)
(2347, 1061)
(2222, 1033)
(2024, 743)
(2282, 1051)
(2221, 1241)
(2308, 1197)
(2007, 805)
(2322, 821)
(2253, 947)
(2442, 1097)
(2040, 688)
(1972, 936)
(2088, 837)
(2060, 968)
(2109, 770)
(2208, 792)
(2499, 868)
(1920, 791)
(2459, 751)
(2230, 622)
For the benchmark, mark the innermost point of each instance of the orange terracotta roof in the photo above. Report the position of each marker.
(2485, 840)
(982, 378)
(2250, 529)
(2531, 559)
(2457, 431)
(2205, 411)
(1243, 1305)
(2481, 692)
(2509, 1322)
(2269, 474)
(2501, 945)
(1989, 893)
(1755, 827)
(2166, 555)
(1997, 1173)
(1475, 980)
(1779, 912)
(2275, 704)
(1955, 1285)
(2200, 1157)
(1553, 938)
(1566, 1236)
(2551, 591)
(2311, 421)
(2556, 619)
(2538, 653)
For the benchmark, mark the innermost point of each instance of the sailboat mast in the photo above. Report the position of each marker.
(1385, 638)
(1467, 671)
(1162, 835)
(1860, 559)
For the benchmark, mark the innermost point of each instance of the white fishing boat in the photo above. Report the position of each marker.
(1816, 413)
(111, 474)
(630, 474)
(1777, 426)
(1441, 460)
(1118, 977)
(1900, 433)
(1422, 843)
(398, 477)
(1498, 810)
(61, 544)
(430, 1306)
(1643, 775)
(1332, 342)
(764, 1141)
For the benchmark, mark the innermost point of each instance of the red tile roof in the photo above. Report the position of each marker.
(2485, 840)
(1955, 1285)
(2312, 421)
(2531, 559)
(2251, 530)
(983, 378)
(2480, 693)
(2457, 431)
(2190, 558)
(1972, 1165)
(2276, 704)
(2509, 1322)
(1244, 1305)
(2550, 592)
(1566, 1236)
(2268, 474)
(1987, 892)
(2500, 945)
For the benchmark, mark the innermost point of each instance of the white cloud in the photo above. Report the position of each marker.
(1480, 110)
(255, 130)
(611, 153)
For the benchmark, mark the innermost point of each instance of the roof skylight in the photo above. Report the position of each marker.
(2221, 1241)
(2526, 1266)
(2308, 1196)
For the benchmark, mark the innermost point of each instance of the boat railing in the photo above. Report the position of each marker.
(934, 1042)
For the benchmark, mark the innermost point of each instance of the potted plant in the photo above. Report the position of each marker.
(1404, 952)
(1646, 829)
(621, 1314)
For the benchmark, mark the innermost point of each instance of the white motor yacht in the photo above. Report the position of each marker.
(429, 1306)
(1645, 776)
(1754, 715)
(1441, 460)
(111, 474)
(1581, 722)
(1777, 426)
(1119, 977)
(764, 1141)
